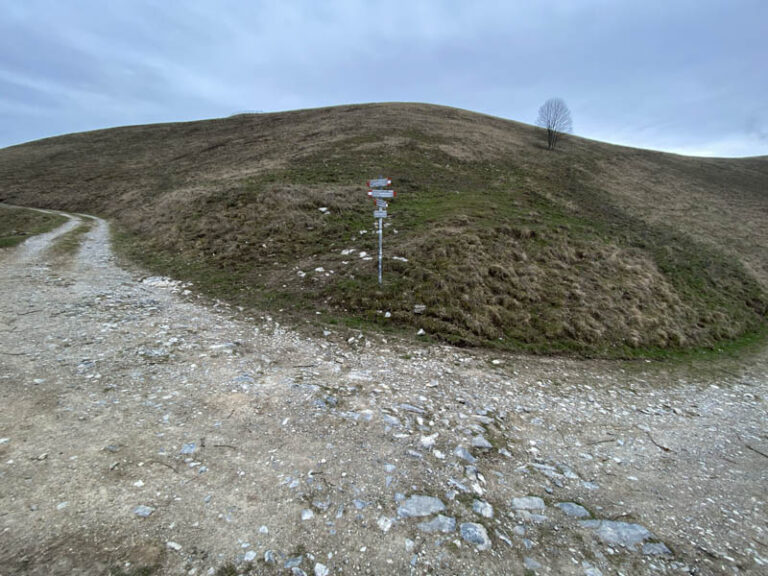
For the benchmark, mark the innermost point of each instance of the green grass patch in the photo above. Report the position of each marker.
(69, 243)
(17, 224)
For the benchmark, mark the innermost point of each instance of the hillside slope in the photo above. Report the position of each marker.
(595, 248)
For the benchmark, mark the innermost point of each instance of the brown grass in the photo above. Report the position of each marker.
(593, 248)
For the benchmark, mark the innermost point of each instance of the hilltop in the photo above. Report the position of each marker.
(593, 249)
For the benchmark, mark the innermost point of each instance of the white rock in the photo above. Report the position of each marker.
(428, 441)
(384, 523)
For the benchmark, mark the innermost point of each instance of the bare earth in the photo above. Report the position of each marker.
(142, 428)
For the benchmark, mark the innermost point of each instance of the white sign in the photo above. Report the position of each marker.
(382, 193)
(381, 203)
(379, 213)
(376, 182)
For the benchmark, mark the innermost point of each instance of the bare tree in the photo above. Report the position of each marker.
(556, 118)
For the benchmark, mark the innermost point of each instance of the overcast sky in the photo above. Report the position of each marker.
(683, 76)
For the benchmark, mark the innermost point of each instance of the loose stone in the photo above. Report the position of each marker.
(528, 503)
(438, 524)
(481, 443)
(475, 534)
(531, 564)
(464, 454)
(384, 523)
(618, 533)
(574, 510)
(143, 511)
(483, 508)
(420, 506)
(655, 549)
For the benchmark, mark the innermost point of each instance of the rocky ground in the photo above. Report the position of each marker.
(145, 430)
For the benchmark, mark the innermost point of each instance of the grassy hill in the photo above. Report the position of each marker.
(593, 249)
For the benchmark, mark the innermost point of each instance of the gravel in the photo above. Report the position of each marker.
(361, 452)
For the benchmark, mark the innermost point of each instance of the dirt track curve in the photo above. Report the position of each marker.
(143, 428)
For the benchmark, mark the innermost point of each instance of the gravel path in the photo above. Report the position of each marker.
(143, 427)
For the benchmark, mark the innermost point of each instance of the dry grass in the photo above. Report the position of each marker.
(594, 249)
(18, 224)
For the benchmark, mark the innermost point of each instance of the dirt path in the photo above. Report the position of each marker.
(142, 429)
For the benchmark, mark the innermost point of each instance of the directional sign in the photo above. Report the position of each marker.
(382, 193)
(381, 203)
(376, 182)
(379, 213)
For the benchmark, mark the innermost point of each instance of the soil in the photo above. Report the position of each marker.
(146, 429)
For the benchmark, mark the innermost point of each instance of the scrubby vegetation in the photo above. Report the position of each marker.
(594, 249)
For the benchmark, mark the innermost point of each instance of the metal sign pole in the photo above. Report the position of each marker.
(381, 241)
(380, 197)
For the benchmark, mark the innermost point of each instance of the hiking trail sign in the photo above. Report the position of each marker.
(380, 197)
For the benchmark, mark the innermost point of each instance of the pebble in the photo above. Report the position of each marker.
(420, 506)
(531, 564)
(528, 503)
(173, 545)
(384, 523)
(475, 534)
(483, 508)
(321, 570)
(438, 524)
(481, 443)
(655, 549)
(143, 511)
(188, 448)
(464, 454)
(574, 510)
(590, 570)
(250, 556)
(307, 514)
(617, 533)
(294, 562)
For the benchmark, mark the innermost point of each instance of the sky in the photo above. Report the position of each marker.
(689, 77)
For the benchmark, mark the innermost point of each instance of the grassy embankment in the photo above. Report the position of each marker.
(18, 224)
(591, 250)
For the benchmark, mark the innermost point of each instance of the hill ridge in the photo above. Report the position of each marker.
(593, 249)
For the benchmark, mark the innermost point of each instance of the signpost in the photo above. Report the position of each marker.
(380, 197)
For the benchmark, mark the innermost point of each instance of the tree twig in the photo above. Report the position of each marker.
(603, 441)
(660, 446)
(755, 450)
(164, 464)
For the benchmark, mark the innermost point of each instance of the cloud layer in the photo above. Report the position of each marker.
(682, 76)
